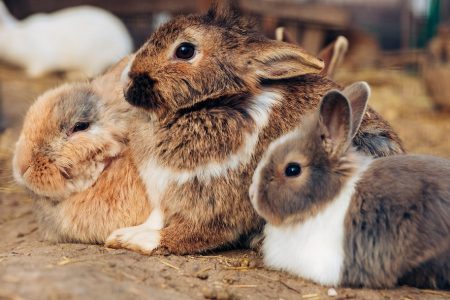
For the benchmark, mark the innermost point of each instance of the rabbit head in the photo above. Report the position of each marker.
(305, 169)
(197, 58)
(70, 135)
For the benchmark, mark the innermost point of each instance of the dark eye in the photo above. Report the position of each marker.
(292, 170)
(80, 126)
(185, 51)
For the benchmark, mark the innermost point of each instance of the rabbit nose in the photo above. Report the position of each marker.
(140, 90)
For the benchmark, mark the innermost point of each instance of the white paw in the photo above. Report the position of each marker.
(137, 238)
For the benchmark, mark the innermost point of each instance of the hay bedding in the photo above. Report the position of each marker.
(35, 269)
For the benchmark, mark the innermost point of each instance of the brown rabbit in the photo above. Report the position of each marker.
(73, 156)
(338, 217)
(213, 94)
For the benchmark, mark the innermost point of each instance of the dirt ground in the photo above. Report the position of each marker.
(31, 268)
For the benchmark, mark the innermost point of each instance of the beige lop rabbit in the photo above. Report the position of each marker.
(73, 156)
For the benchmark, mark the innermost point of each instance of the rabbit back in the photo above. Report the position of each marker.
(398, 221)
(84, 39)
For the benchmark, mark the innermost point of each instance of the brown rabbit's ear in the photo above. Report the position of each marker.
(283, 36)
(279, 60)
(333, 55)
(358, 95)
(336, 118)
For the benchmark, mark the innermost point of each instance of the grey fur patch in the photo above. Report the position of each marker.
(398, 226)
(77, 107)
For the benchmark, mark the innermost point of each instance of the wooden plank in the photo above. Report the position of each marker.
(325, 15)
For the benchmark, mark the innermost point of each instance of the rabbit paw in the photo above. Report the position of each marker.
(139, 238)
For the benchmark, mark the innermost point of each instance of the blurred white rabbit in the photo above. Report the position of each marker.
(83, 39)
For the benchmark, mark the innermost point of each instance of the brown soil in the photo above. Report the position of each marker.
(34, 269)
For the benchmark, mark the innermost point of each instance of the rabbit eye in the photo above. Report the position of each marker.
(80, 126)
(292, 170)
(185, 51)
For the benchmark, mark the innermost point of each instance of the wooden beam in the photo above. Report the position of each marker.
(318, 14)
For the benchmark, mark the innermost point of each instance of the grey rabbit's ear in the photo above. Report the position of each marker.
(336, 118)
(358, 95)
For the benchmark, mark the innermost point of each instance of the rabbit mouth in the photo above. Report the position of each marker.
(140, 92)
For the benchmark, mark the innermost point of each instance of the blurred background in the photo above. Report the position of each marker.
(401, 47)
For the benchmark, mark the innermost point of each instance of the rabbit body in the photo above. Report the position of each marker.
(339, 217)
(213, 93)
(374, 232)
(83, 39)
(73, 156)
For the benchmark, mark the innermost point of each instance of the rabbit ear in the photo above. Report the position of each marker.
(358, 95)
(6, 19)
(335, 117)
(333, 55)
(279, 60)
(283, 36)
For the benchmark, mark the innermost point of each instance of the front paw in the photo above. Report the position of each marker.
(137, 238)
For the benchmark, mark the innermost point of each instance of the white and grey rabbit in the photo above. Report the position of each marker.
(338, 217)
(80, 39)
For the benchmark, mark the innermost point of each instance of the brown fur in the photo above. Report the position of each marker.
(85, 184)
(197, 112)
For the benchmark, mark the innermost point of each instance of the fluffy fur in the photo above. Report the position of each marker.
(82, 39)
(211, 116)
(84, 183)
(344, 219)
(318, 243)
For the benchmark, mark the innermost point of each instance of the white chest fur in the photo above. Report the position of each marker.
(313, 249)
(157, 177)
